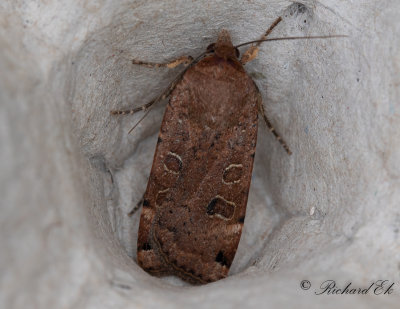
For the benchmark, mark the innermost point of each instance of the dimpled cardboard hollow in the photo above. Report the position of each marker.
(70, 173)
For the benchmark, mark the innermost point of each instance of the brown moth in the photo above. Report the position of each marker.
(195, 202)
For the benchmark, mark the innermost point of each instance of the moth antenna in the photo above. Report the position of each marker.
(140, 120)
(295, 38)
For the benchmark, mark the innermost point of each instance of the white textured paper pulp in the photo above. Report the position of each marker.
(70, 172)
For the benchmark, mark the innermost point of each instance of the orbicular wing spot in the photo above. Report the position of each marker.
(173, 163)
(232, 174)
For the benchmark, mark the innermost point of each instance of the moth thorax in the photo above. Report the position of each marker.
(223, 47)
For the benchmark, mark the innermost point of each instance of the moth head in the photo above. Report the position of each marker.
(223, 47)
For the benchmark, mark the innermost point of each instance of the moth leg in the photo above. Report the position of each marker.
(132, 111)
(136, 208)
(252, 52)
(270, 127)
(186, 60)
(145, 107)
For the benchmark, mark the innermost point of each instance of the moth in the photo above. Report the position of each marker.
(194, 206)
